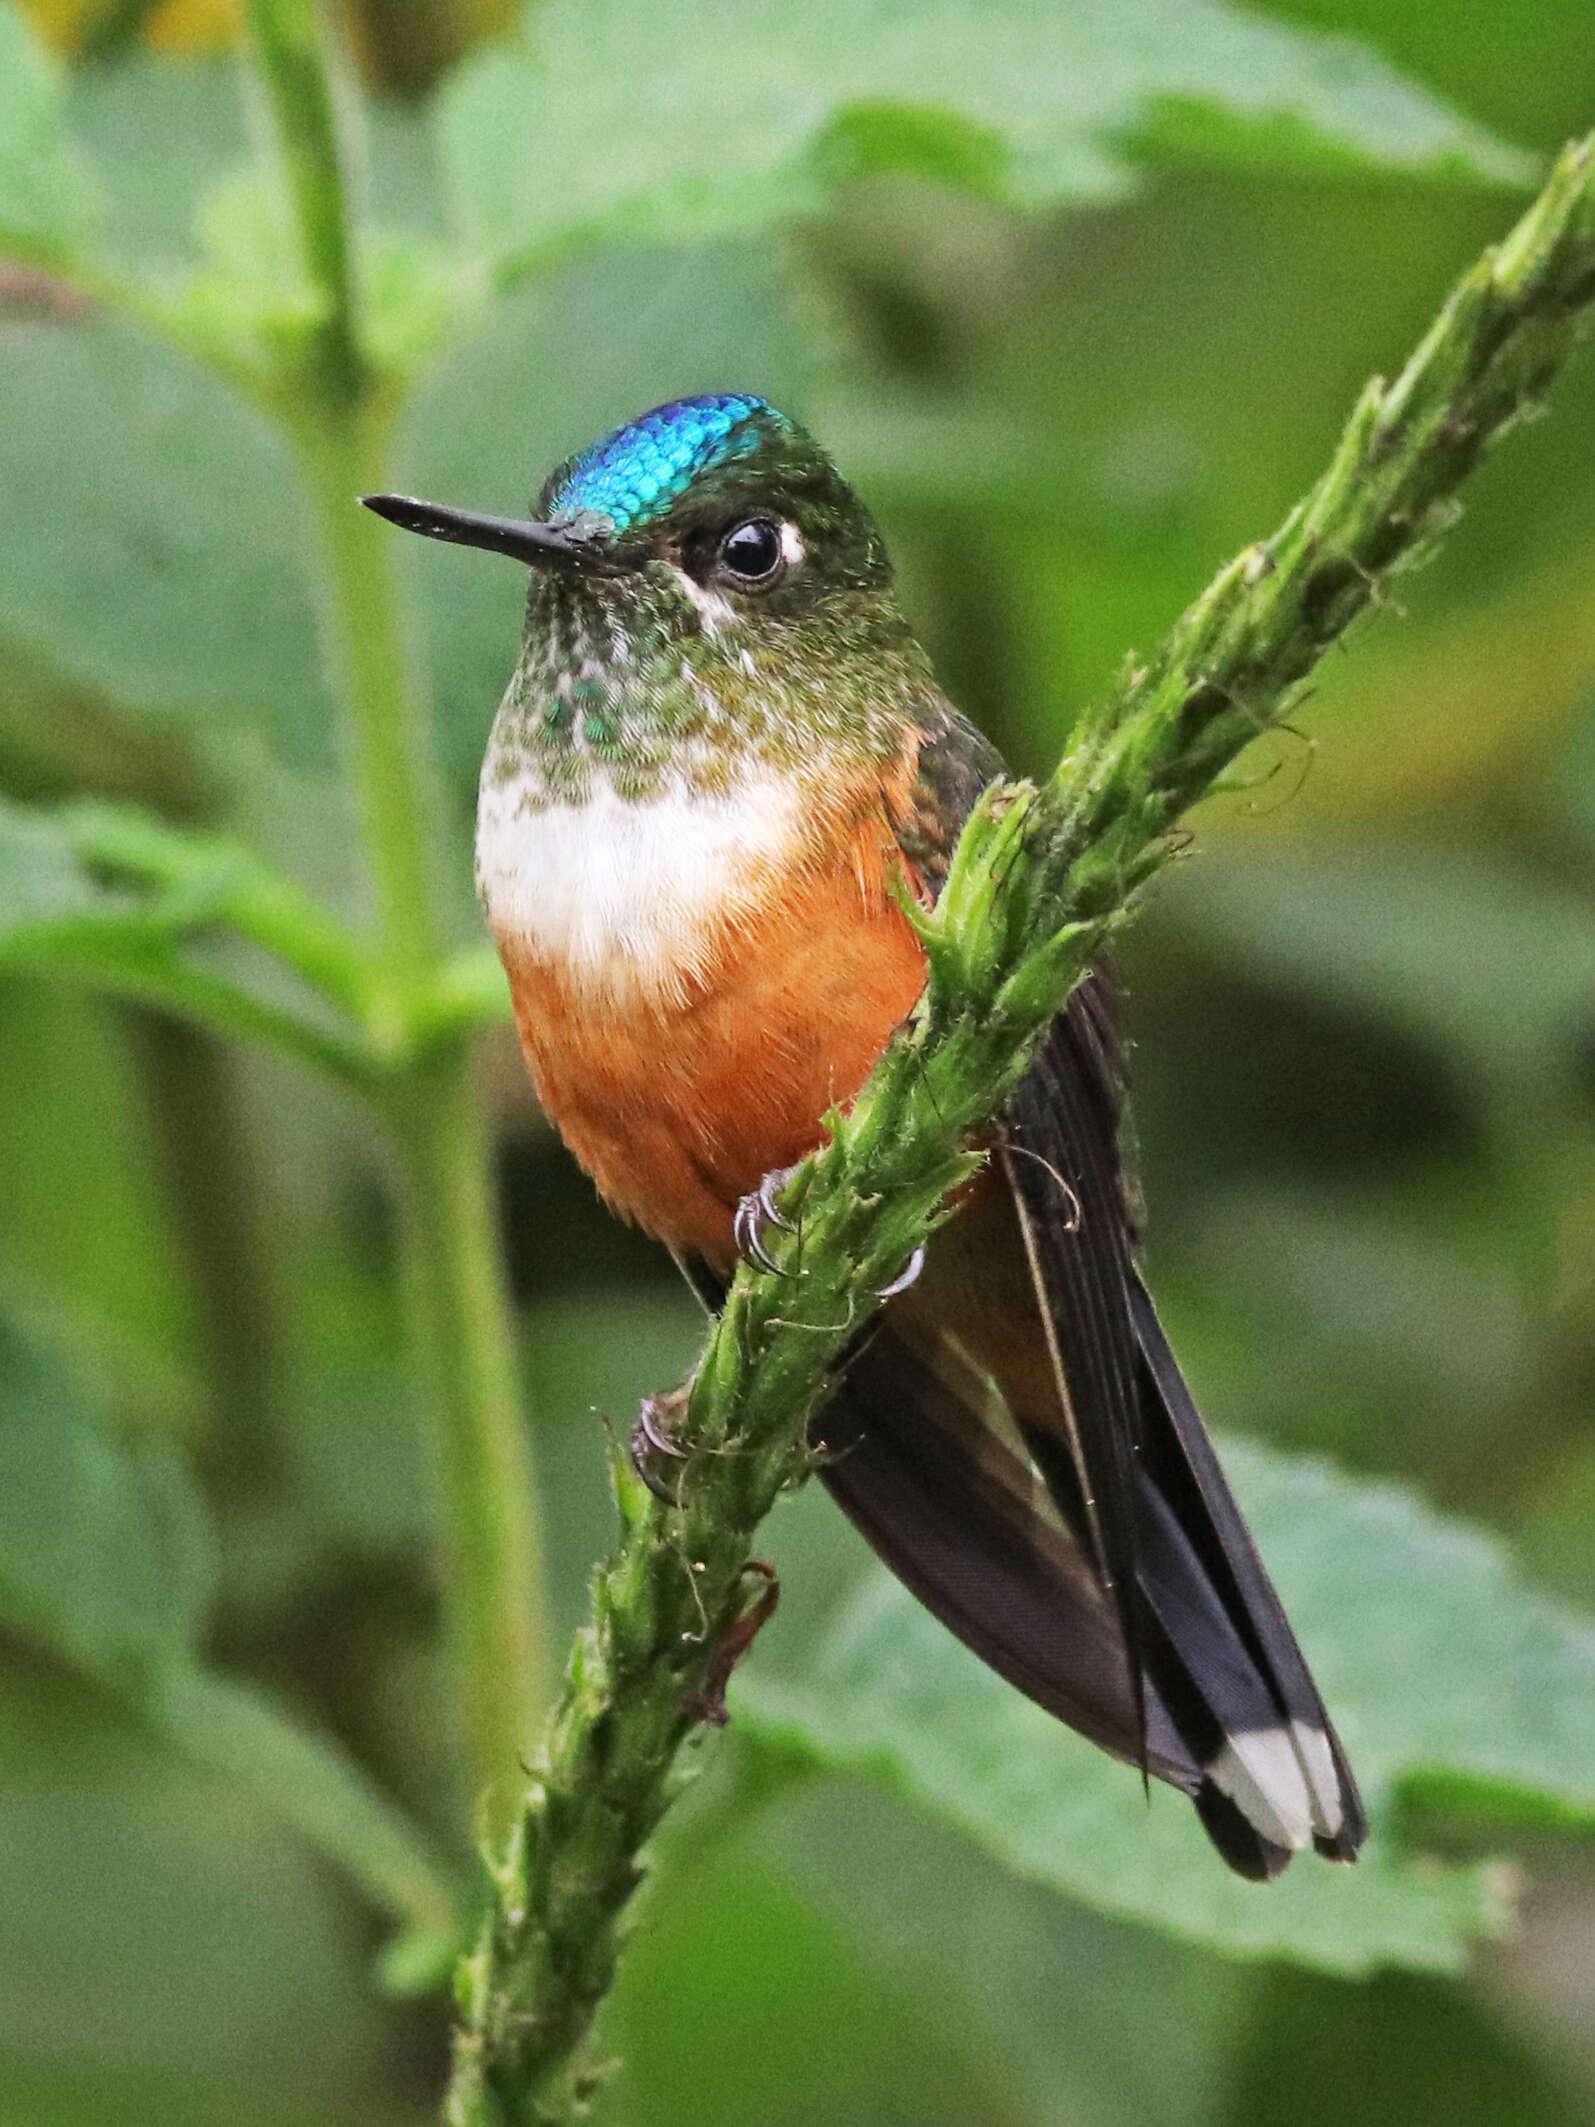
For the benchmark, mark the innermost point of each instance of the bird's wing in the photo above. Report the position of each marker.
(1226, 1625)
(1016, 1441)
(1020, 1446)
(1036, 1471)
(984, 1440)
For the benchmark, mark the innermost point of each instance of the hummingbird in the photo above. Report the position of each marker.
(720, 758)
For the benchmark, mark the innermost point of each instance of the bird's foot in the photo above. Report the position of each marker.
(654, 1434)
(709, 1703)
(756, 1214)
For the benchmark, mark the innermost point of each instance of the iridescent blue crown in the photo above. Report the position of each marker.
(637, 471)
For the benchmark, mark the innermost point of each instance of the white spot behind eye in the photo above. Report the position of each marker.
(791, 545)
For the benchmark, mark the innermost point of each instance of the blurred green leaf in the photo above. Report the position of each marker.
(60, 889)
(105, 1560)
(1495, 971)
(151, 537)
(623, 121)
(1558, 1533)
(47, 202)
(1432, 1652)
(1573, 792)
(164, 1936)
(1429, 1655)
(97, 875)
(1100, 2023)
(111, 895)
(177, 134)
(754, 1973)
(42, 884)
(208, 233)
(1442, 2057)
(62, 2096)
(250, 307)
(1351, 1296)
(309, 1782)
(91, 1257)
(251, 303)
(104, 1552)
(171, 134)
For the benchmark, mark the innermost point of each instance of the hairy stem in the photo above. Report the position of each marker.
(1040, 879)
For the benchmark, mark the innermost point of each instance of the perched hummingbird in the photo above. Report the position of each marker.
(720, 748)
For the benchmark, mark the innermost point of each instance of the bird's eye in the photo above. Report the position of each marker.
(751, 553)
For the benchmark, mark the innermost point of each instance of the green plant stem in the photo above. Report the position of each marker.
(339, 423)
(292, 52)
(458, 1309)
(341, 457)
(1039, 881)
(457, 1312)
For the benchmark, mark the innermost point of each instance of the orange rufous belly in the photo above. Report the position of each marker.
(677, 1107)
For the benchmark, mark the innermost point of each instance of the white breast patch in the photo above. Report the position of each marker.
(626, 896)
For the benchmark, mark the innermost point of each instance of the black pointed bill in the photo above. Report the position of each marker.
(539, 545)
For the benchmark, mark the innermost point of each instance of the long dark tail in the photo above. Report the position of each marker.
(1236, 1683)
(1231, 1715)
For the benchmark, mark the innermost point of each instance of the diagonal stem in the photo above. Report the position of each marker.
(1039, 880)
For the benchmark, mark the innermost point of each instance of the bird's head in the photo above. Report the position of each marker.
(721, 500)
(702, 581)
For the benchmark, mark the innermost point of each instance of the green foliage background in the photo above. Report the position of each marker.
(1080, 296)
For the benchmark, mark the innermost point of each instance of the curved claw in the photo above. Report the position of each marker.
(645, 1470)
(652, 1431)
(909, 1275)
(765, 1195)
(756, 1213)
(747, 1230)
(651, 1436)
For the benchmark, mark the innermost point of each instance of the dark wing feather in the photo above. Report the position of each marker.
(1059, 1158)
(1214, 1640)
(953, 1511)
(909, 1453)
(944, 1485)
